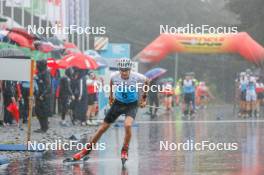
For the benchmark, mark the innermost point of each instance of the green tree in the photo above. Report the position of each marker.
(251, 15)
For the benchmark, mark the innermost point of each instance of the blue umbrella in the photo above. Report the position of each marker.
(155, 73)
(92, 53)
(100, 60)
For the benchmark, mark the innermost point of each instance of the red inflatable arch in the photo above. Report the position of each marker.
(167, 44)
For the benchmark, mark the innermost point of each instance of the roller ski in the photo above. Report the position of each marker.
(188, 115)
(188, 111)
(74, 161)
(192, 115)
(124, 155)
(185, 116)
(79, 157)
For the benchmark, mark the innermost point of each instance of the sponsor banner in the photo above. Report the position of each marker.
(116, 50)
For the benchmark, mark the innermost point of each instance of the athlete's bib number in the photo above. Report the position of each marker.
(124, 95)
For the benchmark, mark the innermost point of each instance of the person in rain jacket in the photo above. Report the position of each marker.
(24, 105)
(79, 104)
(65, 95)
(43, 96)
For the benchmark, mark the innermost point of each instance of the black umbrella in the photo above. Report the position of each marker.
(53, 44)
(55, 41)
(59, 52)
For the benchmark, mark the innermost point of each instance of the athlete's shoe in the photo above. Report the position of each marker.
(82, 153)
(124, 154)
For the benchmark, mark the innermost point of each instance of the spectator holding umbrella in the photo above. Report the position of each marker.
(78, 85)
(81, 63)
(42, 107)
(65, 94)
(153, 98)
(153, 75)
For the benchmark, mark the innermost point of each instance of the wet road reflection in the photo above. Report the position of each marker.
(145, 156)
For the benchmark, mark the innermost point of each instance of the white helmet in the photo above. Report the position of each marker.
(243, 74)
(124, 63)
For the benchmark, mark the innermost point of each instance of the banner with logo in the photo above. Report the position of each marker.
(166, 44)
(116, 50)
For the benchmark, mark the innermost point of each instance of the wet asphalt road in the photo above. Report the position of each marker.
(217, 125)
